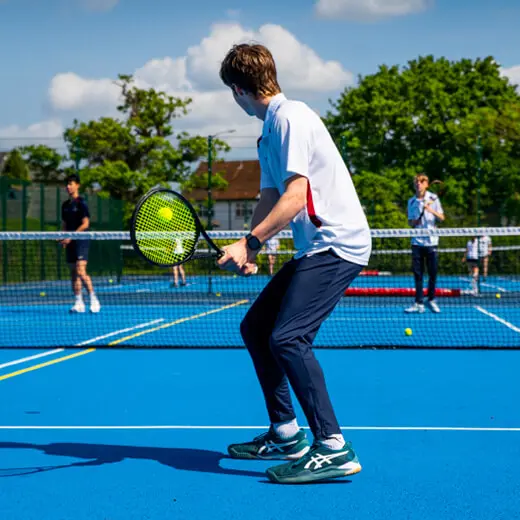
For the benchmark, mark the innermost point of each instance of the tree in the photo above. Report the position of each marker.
(15, 167)
(45, 163)
(126, 157)
(429, 117)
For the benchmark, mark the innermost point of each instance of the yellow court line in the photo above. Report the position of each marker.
(48, 363)
(126, 338)
(176, 322)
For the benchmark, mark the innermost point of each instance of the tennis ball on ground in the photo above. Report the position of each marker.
(165, 214)
(42, 294)
(110, 281)
(498, 295)
(408, 331)
(218, 294)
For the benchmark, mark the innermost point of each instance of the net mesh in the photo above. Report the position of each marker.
(166, 229)
(142, 307)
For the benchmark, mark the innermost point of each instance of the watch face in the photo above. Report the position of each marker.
(254, 243)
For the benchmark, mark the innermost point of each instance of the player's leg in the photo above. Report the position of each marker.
(485, 263)
(271, 259)
(175, 270)
(317, 285)
(284, 440)
(418, 274)
(432, 265)
(81, 269)
(183, 275)
(71, 256)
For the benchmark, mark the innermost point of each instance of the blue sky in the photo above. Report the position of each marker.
(59, 56)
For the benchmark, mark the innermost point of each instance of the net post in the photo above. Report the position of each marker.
(24, 228)
(58, 227)
(42, 228)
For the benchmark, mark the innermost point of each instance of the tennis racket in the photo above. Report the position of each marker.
(437, 188)
(165, 230)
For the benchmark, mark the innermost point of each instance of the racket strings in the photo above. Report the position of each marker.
(166, 229)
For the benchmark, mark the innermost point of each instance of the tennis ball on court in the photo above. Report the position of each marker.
(165, 214)
(110, 281)
(498, 295)
(218, 294)
(42, 294)
(408, 331)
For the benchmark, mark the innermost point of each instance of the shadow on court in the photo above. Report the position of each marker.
(203, 461)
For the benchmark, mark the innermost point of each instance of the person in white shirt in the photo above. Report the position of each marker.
(470, 258)
(484, 252)
(272, 246)
(424, 210)
(178, 269)
(305, 183)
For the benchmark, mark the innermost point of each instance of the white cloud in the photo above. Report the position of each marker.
(513, 73)
(301, 71)
(68, 91)
(369, 10)
(50, 132)
(99, 5)
(50, 129)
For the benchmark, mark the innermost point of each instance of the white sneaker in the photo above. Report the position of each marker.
(416, 307)
(94, 304)
(79, 306)
(432, 305)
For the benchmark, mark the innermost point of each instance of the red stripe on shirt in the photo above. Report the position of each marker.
(310, 207)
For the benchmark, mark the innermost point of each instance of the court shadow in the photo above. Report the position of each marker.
(203, 461)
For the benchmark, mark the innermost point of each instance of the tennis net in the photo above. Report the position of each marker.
(142, 307)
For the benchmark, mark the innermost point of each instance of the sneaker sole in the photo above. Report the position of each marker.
(350, 468)
(279, 456)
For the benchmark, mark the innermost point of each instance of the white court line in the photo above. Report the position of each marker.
(498, 318)
(484, 284)
(187, 427)
(87, 342)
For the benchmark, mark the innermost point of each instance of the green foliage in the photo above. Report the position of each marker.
(15, 167)
(428, 117)
(124, 158)
(45, 163)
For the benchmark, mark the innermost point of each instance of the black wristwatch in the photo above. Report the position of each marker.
(253, 243)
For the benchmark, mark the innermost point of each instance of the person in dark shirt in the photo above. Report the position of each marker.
(76, 217)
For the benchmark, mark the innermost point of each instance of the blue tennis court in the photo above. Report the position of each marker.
(133, 422)
(143, 434)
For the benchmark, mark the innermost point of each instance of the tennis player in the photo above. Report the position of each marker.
(424, 210)
(76, 217)
(272, 246)
(470, 258)
(305, 183)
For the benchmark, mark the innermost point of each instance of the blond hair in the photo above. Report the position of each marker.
(250, 67)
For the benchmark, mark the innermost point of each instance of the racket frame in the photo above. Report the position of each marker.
(198, 224)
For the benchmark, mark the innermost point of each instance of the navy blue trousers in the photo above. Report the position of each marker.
(279, 330)
(420, 254)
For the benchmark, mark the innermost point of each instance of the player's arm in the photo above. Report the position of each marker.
(286, 208)
(268, 199)
(85, 221)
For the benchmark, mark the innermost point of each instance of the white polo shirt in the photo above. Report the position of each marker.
(428, 220)
(295, 141)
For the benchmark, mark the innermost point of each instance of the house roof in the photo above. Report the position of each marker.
(243, 179)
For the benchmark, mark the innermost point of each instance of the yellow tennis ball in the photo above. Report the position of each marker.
(165, 214)
(408, 331)
(42, 294)
(498, 295)
(218, 294)
(110, 281)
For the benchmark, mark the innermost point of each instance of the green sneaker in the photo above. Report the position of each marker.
(269, 446)
(319, 463)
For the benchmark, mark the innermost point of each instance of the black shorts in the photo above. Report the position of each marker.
(472, 263)
(77, 251)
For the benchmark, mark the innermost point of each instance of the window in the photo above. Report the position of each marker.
(244, 209)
